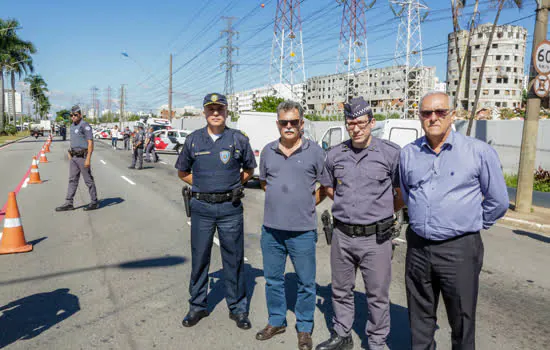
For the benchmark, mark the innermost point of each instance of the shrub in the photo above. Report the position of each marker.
(10, 129)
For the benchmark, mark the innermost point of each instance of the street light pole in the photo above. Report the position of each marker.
(524, 195)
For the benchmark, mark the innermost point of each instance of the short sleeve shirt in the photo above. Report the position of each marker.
(80, 134)
(291, 183)
(363, 181)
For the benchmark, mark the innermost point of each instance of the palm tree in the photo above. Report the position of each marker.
(7, 38)
(20, 63)
(500, 5)
(38, 88)
(457, 6)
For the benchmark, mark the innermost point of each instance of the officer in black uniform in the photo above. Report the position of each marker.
(80, 157)
(211, 162)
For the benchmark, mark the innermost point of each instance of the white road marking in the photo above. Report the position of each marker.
(26, 183)
(102, 161)
(161, 162)
(127, 179)
(400, 240)
(189, 222)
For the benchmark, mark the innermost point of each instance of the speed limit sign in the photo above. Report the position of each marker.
(542, 58)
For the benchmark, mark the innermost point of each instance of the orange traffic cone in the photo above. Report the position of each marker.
(35, 175)
(47, 147)
(13, 237)
(43, 158)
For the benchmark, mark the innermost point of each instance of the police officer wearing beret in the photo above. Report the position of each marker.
(362, 177)
(211, 162)
(80, 157)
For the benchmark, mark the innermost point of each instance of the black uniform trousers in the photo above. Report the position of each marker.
(450, 268)
(227, 218)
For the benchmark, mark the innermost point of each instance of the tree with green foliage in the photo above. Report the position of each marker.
(38, 88)
(267, 104)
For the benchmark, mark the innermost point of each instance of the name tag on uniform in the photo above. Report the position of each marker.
(202, 153)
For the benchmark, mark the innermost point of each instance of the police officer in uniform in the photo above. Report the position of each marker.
(139, 140)
(211, 162)
(362, 177)
(80, 157)
(150, 147)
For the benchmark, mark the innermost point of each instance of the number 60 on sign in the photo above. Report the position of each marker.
(541, 59)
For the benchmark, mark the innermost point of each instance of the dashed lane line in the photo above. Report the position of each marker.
(102, 161)
(161, 162)
(128, 180)
(26, 183)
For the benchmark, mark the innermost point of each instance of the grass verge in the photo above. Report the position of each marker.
(541, 186)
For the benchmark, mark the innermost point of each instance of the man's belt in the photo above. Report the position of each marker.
(364, 230)
(80, 153)
(213, 197)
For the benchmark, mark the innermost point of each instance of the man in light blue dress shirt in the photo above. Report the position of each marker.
(454, 187)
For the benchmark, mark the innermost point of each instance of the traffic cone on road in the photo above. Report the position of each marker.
(43, 158)
(47, 147)
(13, 237)
(35, 175)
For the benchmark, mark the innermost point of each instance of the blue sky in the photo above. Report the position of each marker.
(80, 43)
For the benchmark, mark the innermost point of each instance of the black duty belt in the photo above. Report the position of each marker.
(364, 230)
(79, 153)
(213, 197)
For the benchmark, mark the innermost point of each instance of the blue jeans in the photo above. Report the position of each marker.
(114, 141)
(300, 246)
(227, 218)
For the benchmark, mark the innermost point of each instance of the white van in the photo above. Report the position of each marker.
(399, 131)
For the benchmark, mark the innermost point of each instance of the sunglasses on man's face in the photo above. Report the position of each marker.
(294, 122)
(75, 115)
(440, 113)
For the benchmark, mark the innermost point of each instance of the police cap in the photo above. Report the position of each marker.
(214, 98)
(356, 108)
(76, 109)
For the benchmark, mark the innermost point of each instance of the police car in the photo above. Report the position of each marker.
(170, 140)
(102, 134)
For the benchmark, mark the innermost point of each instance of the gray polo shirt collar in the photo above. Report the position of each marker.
(303, 146)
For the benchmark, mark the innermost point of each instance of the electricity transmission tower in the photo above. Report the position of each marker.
(287, 52)
(229, 48)
(94, 102)
(352, 50)
(109, 99)
(408, 52)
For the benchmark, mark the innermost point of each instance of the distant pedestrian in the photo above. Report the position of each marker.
(114, 137)
(139, 141)
(127, 135)
(80, 158)
(454, 187)
(290, 168)
(150, 146)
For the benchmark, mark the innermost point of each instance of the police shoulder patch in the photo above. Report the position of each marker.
(88, 128)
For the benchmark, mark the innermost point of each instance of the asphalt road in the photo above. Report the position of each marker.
(117, 278)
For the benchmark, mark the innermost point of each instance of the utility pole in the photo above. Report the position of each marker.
(109, 99)
(121, 105)
(408, 53)
(287, 52)
(524, 195)
(170, 92)
(229, 64)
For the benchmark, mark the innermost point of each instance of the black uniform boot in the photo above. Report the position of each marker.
(336, 342)
(65, 207)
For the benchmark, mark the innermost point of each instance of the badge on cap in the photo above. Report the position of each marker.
(224, 156)
(214, 98)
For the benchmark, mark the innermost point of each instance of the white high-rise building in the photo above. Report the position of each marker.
(8, 105)
(243, 101)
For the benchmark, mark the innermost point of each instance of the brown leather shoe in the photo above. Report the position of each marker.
(269, 331)
(304, 341)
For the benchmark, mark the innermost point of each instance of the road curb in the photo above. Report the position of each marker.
(526, 225)
(14, 141)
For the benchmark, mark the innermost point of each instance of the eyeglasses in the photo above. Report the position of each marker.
(441, 113)
(294, 122)
(361, 124)
(74, 114)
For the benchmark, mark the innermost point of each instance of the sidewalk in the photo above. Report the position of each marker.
(537, 221)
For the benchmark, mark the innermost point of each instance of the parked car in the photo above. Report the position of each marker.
(170, 140)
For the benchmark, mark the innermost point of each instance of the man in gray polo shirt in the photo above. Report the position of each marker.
(290, 168)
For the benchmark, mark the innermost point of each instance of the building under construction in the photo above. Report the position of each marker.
(382, 87)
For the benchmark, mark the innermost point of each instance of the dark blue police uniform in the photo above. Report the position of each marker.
(216, 168)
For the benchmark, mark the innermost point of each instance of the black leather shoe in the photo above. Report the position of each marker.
(139, 168)
(336, 342)
(131, 167)
(242, 320)
(65, 207)
(193, 317)
(92, 206)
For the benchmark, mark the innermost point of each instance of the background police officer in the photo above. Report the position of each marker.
(137, 157)
(211, 161)
(80, 157)
(361, 175)
(150, 146)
